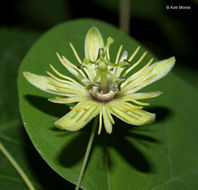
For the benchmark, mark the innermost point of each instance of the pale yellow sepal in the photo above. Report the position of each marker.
(93, 42)
(157, 71)
(76, 120)
(134, 117)
(146, 95)
(64, 100)
(107, 120)
(41, 82)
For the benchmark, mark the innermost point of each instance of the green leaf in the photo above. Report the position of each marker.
(159, 156)
(16, 142)
(13, 46)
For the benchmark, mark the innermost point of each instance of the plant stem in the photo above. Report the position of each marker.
(125, 15)
(16, 166)
(84, 164)
(107, 162)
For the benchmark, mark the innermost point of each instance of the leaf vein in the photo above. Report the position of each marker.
(174, 179)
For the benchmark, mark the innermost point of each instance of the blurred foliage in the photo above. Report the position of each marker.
(164, 32)
(13, 47)
(43, 13)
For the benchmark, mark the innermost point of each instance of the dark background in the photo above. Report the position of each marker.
(164, 32)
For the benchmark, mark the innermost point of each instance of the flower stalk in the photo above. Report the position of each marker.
(87, 153)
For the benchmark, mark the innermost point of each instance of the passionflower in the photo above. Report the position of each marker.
(101, 86)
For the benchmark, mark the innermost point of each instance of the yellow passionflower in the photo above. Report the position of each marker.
(102, 87)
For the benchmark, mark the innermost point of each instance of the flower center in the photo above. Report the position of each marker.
(102, 96)
(106, 84)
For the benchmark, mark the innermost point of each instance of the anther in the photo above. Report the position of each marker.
(99, 52)
(125, 60)
(122, 77)
(119, 85)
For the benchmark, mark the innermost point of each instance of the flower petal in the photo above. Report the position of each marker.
(43, 83)
(153, 73)
(75, 120)
(133, 117)
(107, 120)
(64, 100)
(93, 42)
(139, 96)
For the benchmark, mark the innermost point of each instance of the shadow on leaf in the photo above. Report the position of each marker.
(123, 140)
(41, 103)
(74, 151)
(162, 113)
(44, 175)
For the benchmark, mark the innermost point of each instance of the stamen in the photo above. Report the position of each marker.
(118, 54)
(84, 108)
(143, 68)
(76, 106)
(54, 77)
(110, 116)
(66, 66)
(146, 73)
(117, 70)
(68, 62)
(134, 54)
(128, 105)
(78, 72)
(64, 76)
(138, 102)
(65, 84)
(100, 123)
(124, 109)
(145, 95)
(58, 84)
(75, 53)
(125, 106)
(89, 73)
(133, 114)
(66, 100)
(143, 82)
(69, 67)
(137, 63)
(132, 77)
(66, 91)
